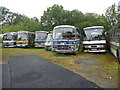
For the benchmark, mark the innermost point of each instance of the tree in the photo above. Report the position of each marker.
(26, 24)
(75, 18)
(102, 21)
(111, 16)
(8, 17)
(35, 19)
(13, 22)
(52, 17)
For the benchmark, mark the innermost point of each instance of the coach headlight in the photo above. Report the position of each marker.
(101, 46)
(86, 46)
(72, 47)
(36, 43)
(11, 43)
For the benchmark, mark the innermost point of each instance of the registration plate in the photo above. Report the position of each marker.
(94, 49)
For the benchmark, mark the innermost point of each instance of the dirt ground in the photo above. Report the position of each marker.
(99, 68)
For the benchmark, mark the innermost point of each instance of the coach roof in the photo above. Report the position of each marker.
(92, 27)
(64, 26)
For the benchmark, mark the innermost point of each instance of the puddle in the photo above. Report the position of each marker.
(88, 62)
(103, 73)
(99, 68)
(63, 57)
(96, 56)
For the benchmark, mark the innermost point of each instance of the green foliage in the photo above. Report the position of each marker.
(4, 13)
(7, 17)
(53, 16)
(56, 15)
(26, 24)
(111, 16)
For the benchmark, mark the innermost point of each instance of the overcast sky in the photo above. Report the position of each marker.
(33, 8)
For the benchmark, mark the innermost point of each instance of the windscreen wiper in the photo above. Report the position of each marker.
(90, 38)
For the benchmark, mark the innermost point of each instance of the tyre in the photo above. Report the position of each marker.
(74, 53)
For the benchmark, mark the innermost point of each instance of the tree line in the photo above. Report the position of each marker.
(53, 16)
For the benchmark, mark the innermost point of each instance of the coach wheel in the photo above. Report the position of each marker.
(74, 53)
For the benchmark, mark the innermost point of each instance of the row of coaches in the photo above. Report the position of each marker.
(63, 39)
(67, 39)
(24, 39)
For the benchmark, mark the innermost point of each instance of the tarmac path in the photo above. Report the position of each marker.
(31, 71)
